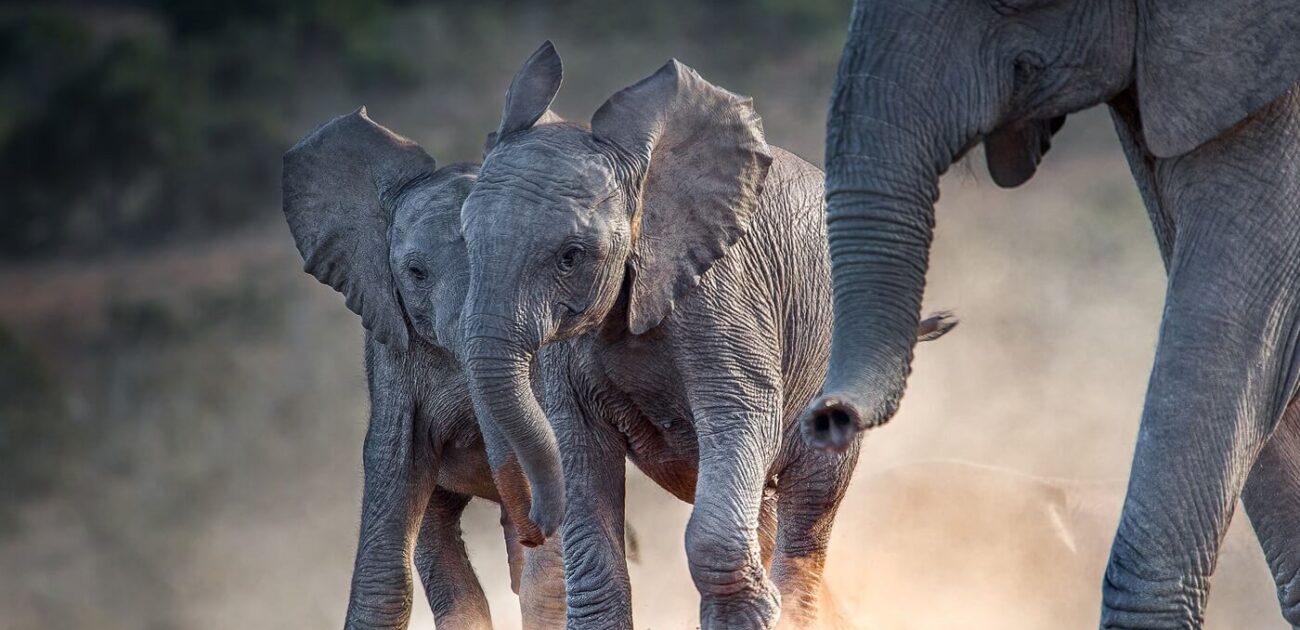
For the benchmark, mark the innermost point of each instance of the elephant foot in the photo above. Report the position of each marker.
(803, 593)
(755, 609)
(547, 620)
(462, 620)
(543, 611)
(383, 603)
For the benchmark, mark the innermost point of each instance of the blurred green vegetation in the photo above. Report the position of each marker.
(80, 405)
(34, 429)
(128, 123)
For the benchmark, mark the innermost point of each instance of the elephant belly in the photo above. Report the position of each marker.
(667, 453)
(465, 470)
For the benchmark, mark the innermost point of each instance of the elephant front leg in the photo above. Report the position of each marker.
(537, 577)
(541, 592)
(397, 488)
(1218, 388)
(723, 545)
(1272, 499)
(453, 590)
(597, 587)
(810, 490)
(1213, 400)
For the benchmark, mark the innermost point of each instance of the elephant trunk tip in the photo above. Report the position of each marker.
(530, 536)
(832, 423)
(516, 499)
(547, 517)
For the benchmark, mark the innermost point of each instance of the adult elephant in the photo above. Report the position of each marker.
(671, 270)
(1204, 99)
(375, 219)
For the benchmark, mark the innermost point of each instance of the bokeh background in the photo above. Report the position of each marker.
(182, 409)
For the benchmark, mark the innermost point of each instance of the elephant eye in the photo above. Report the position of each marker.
(569, 258)
(417, 272)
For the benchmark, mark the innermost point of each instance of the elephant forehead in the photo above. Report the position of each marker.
(544, 174)
(427, 213)
(513, 227)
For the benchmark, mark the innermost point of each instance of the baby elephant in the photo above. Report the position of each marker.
(374, 218)
(671, 269)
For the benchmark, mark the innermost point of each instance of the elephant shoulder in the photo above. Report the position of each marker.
(791, 173)
(793, 193)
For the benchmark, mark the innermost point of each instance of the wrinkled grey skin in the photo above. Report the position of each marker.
(671, 270)
(373, 218)
(1204, 100)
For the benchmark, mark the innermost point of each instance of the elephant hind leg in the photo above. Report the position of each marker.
(810, 491)
(514, 550)
(440, 558)
(1272, 499)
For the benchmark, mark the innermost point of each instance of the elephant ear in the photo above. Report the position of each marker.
(1014, 151)
(701, 158)
(531, 91)
(1205, 65)
(339, 183)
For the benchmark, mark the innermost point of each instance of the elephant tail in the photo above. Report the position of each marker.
(936, 325)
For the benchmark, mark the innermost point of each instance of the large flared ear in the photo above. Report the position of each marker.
(1205, 65)
(700, 154)
(1014, 151)
(339, 185)
(531, 91)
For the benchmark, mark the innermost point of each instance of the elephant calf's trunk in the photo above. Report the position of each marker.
(500, 386)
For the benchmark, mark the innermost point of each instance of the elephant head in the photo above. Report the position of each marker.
(922, 82)
(375, 219)
(573, 228)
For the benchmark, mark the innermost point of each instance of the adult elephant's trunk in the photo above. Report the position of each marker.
(885, 150)
(499, 362)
